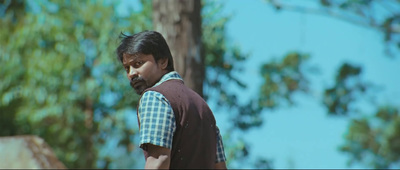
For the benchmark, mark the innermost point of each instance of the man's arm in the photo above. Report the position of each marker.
(156, 137)
(220, 155)
(220, 165)
(156, 157)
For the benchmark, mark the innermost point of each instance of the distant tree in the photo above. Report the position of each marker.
(282, 79)
(348, 87)
(370, 140)
(60, 81)
(383, 16)
(374, 140)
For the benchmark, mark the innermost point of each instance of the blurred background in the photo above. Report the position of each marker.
(293, 84)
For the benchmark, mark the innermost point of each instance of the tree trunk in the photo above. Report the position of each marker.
(179, 21)
(90, 154)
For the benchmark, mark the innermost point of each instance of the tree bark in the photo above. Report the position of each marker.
(179, 21)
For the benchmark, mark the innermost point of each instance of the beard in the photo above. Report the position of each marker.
(139, 85)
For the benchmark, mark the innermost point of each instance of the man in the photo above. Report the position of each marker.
(177, 128)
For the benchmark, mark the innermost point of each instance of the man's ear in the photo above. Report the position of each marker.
(163, 63)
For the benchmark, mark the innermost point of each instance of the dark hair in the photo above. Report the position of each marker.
(146, 42)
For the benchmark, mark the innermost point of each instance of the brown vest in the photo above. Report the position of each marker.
(195, 139)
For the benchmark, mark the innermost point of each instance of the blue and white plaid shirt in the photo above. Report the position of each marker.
(157, 120)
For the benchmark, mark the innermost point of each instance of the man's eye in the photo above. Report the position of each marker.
(139, 63)
(127, 69)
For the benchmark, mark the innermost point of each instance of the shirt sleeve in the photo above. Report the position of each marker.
(220, 148)
(157, 120)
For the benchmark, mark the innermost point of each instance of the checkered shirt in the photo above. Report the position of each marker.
(157, 120)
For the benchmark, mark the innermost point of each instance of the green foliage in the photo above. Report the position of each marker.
(59, 79)
(262, 163)
(348, 87)
(372, 141)
(375, 141)
(288, 76)
(222, 61)
(363, 9)
(383, 16)
(282, 79)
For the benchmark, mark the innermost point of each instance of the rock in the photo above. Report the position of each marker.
(29, 151)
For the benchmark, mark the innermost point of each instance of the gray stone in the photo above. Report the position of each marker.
(29, 151)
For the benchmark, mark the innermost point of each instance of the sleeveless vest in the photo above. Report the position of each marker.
(195, 139)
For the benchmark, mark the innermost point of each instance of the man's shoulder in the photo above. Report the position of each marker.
(167, 85)
(151, 95)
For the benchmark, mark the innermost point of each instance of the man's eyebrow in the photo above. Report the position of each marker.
(131, 57)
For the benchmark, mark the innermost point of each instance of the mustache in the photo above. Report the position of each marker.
(135, 80)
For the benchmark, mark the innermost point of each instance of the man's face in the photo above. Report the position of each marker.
(143, 71)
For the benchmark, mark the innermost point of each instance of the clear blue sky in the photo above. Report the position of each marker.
(304, 136)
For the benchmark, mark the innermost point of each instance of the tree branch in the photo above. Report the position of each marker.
(365, 22)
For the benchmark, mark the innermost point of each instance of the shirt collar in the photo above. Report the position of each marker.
(169, 76)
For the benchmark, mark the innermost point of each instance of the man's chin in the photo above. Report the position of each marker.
(139, 90)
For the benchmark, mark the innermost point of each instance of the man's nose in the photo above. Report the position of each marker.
(132, 73)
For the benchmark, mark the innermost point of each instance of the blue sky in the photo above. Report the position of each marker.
(304, 136)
